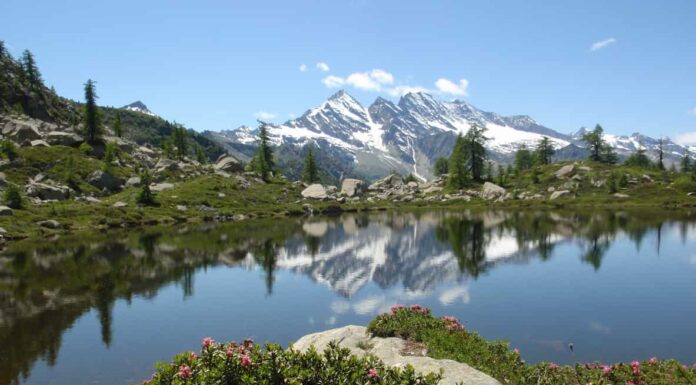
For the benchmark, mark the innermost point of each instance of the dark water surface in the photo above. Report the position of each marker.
(103, 309)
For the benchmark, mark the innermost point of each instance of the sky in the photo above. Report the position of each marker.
(216, 65)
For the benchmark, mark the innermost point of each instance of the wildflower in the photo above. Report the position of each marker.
(396, 307)
(553, 366)
(229, 352)
(516, 351)
(245, 360)
(606, 370)
(653, 360)
(372, 373)
(193, 356)
(635, 364)
(630, 383)
(184, 372)
(694, 366)
(249, 343)
(207, 341)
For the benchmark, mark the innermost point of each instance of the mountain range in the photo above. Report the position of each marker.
(409, 135)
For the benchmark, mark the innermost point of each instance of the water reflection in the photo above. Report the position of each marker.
(46, 287)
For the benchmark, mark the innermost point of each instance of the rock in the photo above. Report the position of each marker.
(120, 204)
(228, 164)
(165, 164)
(389, 350)
(647, 178)
(20, 131)
(585, 168)
(408, 198)
(314, 191)
(61, 138)
(565, 171)
(341, 200)
(6, 211)
(412, 185)
(691, 194)
(353, 187)
(48, 192)
(432, 189)
(159, 187)
(331, 189)
(181, 208)
(315, 229)
(3, 180)
(551, 189)
(620, 195)
(133, 181)
(392, 180)
(104, 180)
(39, 143)
(491, 191)
(49, 224)
(558, 194)
(91, 200)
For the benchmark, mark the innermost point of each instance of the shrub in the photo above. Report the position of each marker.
(110, 154)
(146, 197)
(9, 149)
(86, 149)
(410, 178)
(248, 363)
(13, 197)
(446, 338)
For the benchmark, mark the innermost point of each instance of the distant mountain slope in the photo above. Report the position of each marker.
(138, 106)
(408, 136)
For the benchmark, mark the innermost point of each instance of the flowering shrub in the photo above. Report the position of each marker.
(248, 363)
(446, 337)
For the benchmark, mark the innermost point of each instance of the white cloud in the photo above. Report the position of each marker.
(685, 138)
(332, 81)
(602, 44)
(323, 66)
(265, 115)
(382, 76)
(692, 111)
(449, 296)
(449, 87)
(363, 81)
(303, 67)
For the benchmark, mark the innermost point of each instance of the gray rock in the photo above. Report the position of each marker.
(47, 192)
(181, 208)
(20, 131)
(104, 180)
(56, 138)
(432, 189)
(392, 180)
(621, 195)
(558, 194)
(133, 181)
(120, 204)
(39, 143)
(165, 164)
(565, 171)
(389, 350)
(4, 210)
(228, 164)
(159, 187)
(492, 191)
(92, 200)
(49, 224)
(353, 187)
(314, 191)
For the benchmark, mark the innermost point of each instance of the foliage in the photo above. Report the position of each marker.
(441, 166)
(639, 159)
(476, 151)
(686, 165)
(263, 162)
(110, 154)
(13, 197)
(600, 150)
(249, 363)
(179, 142)
(8, 149)
(458, 175)
(410, 178)
(146, 197)
(31, 71)
(523, 159)
(544, 151)
(92, 117)
(446, 338)
(660, 154)
(118, 128)
(85, 148)
(200, 155)
(309, 168)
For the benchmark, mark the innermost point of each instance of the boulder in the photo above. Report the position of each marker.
(159, 187)
(49, 224)
(20, 131)
(432, 189)
(558, 194)
(120, 204)
(165, 164)
(105, 180)
(353, 187)
(565, 171)
(48, 192)
(61, 138)
(314, 191)
(133, 181)
(39, 143)
(492, 191)
(621, 195)
(228, 164)
(4, 210)
(392, 180)
(391, 352)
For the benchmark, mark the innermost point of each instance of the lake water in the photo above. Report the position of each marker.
(104, 309)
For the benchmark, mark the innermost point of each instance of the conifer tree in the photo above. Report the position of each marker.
(501, 175)
(523, 159)
(179, 140)
(475, 151)
(118, 130)
(639, 159)
(146, 197)
(263, 160)
(441, 166)
(31, 71)
(608, 154)
(660, 154)
(92, 119)
(595, 142)
(457, 175)
(309, 169)
(544, 151)
(686, 165)
(200, 155)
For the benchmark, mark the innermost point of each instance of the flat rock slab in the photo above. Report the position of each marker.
(389, 350)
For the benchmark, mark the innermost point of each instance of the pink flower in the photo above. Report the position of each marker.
(516, 351)
(694, 366)
(249, 343)
(229, 352)
(653, 360)
(635, 364)
(193, 356)
(396, 307)
(606, 369)
(207, 341)
(553, 366)
(184, 372)
(245, 360)
(372, 373)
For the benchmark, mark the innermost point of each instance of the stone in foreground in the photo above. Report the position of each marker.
(315, 191)
(389, 351)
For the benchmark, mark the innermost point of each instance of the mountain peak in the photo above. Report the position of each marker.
(340, 95)
(138, 106)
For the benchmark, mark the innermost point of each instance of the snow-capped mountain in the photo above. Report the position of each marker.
(408, 136)
(138, 106)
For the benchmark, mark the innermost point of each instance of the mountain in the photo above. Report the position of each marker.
(408, 136)
(138, 106)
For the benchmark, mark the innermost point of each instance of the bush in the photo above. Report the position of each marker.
(248, 363)
(447, 338)
(9, 149)
(110, 154)
(146, 197)
(86, 149)
(13, 197)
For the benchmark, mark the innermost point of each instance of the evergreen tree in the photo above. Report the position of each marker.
(639, 159)
(118, 130)
(441, 166)
(523, 159)
(146, 197)
(92, 119)
(501, 175)
(595, 143)
(109, 156)
(309, 169)
(608, 154)
(475, 151)
(660, 154)
(686, 165)
(544, 151)
(2, 49)
(13, 197)
(457, 175)
(489, 171)
(263, 160)
(200, 155)
(31, 71)
(179, 141)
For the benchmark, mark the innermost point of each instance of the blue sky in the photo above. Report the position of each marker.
(219, 64)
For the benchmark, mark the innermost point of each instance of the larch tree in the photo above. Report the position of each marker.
(118, 129)
(457, 168)
(309, 169)
(263, 160)
(92, 117)
(31, 71)
(544, 151)
(475, 153)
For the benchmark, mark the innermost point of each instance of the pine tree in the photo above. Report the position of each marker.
(489, 171)
(31, 71)
(118, 130)
(595, 143)
(544, 151)
(476, 151)
(639, 159)
(92, 119)
(179, 140)
(146, 197)
(263, 161)
(13, 197)
(501, 176)
(457, 167)
(200, 155)
(686, 165)
(608, 154)
(523, 159)
(441, 166)
(660, 154)
(309, 169)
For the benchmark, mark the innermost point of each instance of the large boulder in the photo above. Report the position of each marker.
(565, 171)
(560, 193)
(228, 164)
(61, 138)
(165, 164)
(392, 352)
(159, 187)
(4, 210)
(314, 191)
(39, 143)
(20, 131)
(353, 187)
(492, 191)
(392, 180)
(105, 181)
(45, 191)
